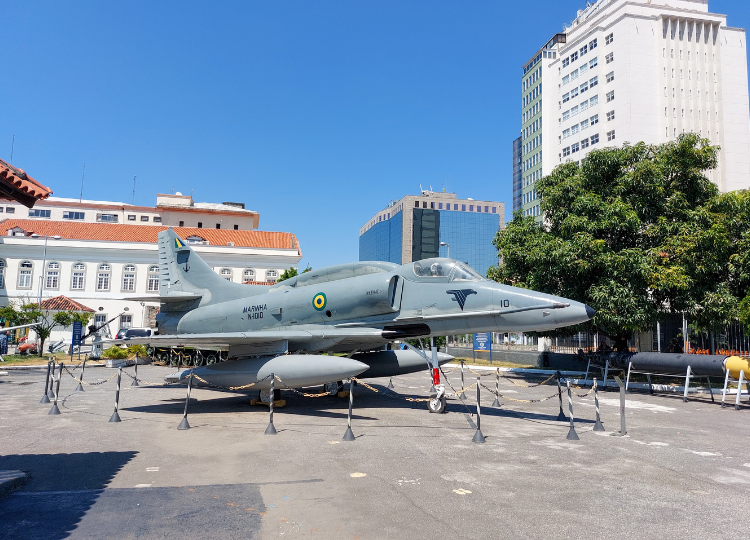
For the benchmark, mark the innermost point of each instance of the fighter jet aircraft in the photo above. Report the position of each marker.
(357, 308)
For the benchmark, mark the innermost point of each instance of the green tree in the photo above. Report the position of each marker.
(48, 321)
(286, 274)
(635, 232)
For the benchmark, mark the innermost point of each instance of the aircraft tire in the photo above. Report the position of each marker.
(333, 388)
(437, 405)
(210, 359)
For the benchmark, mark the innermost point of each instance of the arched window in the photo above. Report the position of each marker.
(103, 276)
(2, 273)
(272, 275)
(153, 278)
(77, 277)
(128, 277)
(52, 279)
(248, 274)
(24, 274)
(226, 273)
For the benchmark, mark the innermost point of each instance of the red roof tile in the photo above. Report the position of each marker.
(148, 233)
(20, 186)
(63, 303)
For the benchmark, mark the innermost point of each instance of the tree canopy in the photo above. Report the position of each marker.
(636, 232)
(30, 312)
(291, 272)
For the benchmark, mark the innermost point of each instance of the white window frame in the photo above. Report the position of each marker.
(129, 272)
(153, 278)
(77, 273)
(52, 276)
(104, 277)
(25, 272)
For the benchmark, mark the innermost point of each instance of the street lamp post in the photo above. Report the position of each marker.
(448, 246)
(44, 263)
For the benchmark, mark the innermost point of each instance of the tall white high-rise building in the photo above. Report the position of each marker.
(631, 71)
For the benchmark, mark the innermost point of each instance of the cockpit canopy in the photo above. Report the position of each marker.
(448, 269)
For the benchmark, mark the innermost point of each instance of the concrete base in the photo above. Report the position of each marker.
(279, 403)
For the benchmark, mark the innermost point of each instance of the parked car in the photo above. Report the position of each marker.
(121, 333)
(137, 332)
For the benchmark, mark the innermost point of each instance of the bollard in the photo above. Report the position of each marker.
(271, 430)
(115, 415)
(561, 415)
(45, 398)
(54, 409)
(390, 384)
(478, 436)
(349, 435)
(79, 388)
(462, 395)
(687, 385)
(135, 379)
(598, 425)
(184, 424)
(50, 392)
(572, 435)
(623, 431)
(739, 391)
(496, 403)
(724, 392)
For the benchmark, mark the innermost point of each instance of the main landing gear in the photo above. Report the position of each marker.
(437, 400)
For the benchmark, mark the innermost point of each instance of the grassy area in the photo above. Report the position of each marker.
(33, 360)
(495, 363)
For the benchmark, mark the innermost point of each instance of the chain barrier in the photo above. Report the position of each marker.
(243, 387)
(451, 371)
(148, 383)
(580, 387)
(545, 381)
(87, 383)
(305, 394)
(498, 394)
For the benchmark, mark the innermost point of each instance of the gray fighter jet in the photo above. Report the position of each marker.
(356, 308)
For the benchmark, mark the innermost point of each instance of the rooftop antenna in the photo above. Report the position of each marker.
(132, 201)
(80, 198)
(12, 147)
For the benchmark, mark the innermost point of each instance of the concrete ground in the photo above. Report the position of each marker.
(683, 470)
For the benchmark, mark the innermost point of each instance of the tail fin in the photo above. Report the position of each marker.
(184, 273)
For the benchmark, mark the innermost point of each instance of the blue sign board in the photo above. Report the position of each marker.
(482, 342)
(77, 331)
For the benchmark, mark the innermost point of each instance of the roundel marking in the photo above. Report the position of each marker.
(319, 301)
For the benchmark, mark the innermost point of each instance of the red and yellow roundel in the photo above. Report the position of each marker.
(319, 301)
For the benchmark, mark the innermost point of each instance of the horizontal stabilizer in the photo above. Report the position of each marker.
(173, 297)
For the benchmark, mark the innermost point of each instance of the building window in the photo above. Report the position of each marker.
(566, 80)
(566, 97)
(574, 148)
(153, 278)
(593, 100)
(574, 129)
(584, 87)
(584, 143)
(272, 275)
(226, 273)
(566, 62)
(566, 114)
(611, 37)
(574, 110)
(610, 76)
(455, 207)
(566, 133)
(156, 219)
(73, 215)
(594, 119)
(182, 224)
(494, 209)
(77, 277)
(110, 218)
(128, 277)
(584, 124)
(610, 116)
(2, 273)
(595, 138)
(144, 218)
(24, 275)
(131, 217)
(594, 81)
(566, 151)
(103, 276)
(236, 227)
(10, 210)
(52, 280)
(610, 96)
(611, 135)
(583, 50)
(39, 213)
(248, 275)
(126, 321)
(218, 225)
(471, 208)
(486, 209)
(574, 57)
(200, 225)
(610, 57)
(592, 44)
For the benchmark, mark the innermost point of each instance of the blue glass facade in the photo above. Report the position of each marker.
(470, 237)
(382, 242)
(517, 175)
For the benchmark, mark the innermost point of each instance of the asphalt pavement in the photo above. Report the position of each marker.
(682, 470)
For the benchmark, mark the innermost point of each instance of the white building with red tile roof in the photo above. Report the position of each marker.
(102, 264)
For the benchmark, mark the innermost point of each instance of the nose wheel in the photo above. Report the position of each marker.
(437, 401)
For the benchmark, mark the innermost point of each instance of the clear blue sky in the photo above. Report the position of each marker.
(314, 113)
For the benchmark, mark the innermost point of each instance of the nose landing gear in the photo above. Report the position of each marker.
(437, 401)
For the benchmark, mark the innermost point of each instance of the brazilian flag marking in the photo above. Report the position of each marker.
(319, 301)
(178, 244)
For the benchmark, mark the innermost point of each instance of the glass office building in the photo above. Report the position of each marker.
(433, 224)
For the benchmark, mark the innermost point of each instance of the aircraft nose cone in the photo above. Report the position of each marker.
(590, 312)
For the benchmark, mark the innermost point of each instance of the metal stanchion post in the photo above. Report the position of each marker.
(478, 436)
(390, 384)
(496, 403)
(739, 391)
(184, 424)
(79, 388)
(135, 379)
(572, 435)
(45, 398)
(349, 435)
(724, 392)
(462, 395)
(561, 415)
(271, 430)
(623, 431)
(50, 392)
(54, 409)
(687, 385)
(115, 415)
(598, 425)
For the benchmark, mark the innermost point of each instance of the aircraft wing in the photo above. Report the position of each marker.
(226, 339)
(17, 327)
